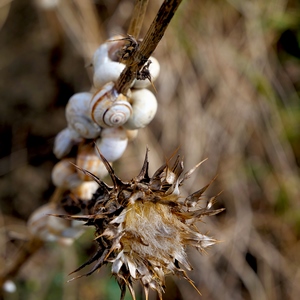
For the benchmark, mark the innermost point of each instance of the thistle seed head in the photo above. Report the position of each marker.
(144, 226)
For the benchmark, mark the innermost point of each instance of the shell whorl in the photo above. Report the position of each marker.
(113, 143)
(144, 107)
(78, 118)
(109, 108)
(109, 71)
(64, 141)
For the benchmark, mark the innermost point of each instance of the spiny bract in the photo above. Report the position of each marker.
(143, 226)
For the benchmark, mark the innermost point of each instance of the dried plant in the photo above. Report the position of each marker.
(143, 226)
(228, 90)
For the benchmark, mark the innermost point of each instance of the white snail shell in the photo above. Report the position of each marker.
(101, 55)
(88, 159)
(78, 117)
(113, 143)
(65, 175)
(108, 108)
(107, 51)
(85, 190)
(105, 62)
(106, 72)
(154, 69)
(64, 141)
(38, 222)
(51, 228)
(144, 106)
(63, 229)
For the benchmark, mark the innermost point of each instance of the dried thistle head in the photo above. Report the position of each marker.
(144, 226)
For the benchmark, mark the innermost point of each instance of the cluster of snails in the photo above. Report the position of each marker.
(101, 120)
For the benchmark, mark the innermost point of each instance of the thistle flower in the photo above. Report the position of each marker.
(144, 226)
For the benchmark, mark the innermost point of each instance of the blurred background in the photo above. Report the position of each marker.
(228, 90)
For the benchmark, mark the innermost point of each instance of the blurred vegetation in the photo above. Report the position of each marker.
(228, 90)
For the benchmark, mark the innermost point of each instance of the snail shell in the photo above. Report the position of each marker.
(64, 141)
(105, 62)
(63, 229)
(101, 55)
(87, 159)
(144, 107)
(108, 71)
(50, 228)
(65, 175)
(38, 222)
(108, 108)
(78, 117)
(108, 51)
(154, 69)
(113, 143)
(85, 190)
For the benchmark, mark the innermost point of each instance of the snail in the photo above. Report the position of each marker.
(37, 223)
(108, 71)
(108, 108)
(77, 115)
(107, 65)
(88, 159)
(64, 174)
(106, 62)
(50, 228)
(64, 141)
(85, 190)
(152, 68)
(108, 51)
(100, 56)
(113, 143)
(144, 107)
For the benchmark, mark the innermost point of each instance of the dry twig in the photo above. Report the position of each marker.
(153, 36)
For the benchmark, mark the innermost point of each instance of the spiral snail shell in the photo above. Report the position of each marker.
(144, 107)
(64, 141)
(64, 174)
(108, 108)
(113, 143)
(106, 62)
(78, 118)
(89, 160)
(108, 51)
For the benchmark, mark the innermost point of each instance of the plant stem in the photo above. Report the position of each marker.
(137, 18)
(148, 45)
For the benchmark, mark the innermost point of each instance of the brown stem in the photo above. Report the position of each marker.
(137, 18)
(148, 45)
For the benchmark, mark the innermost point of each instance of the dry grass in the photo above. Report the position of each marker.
(227, 91)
